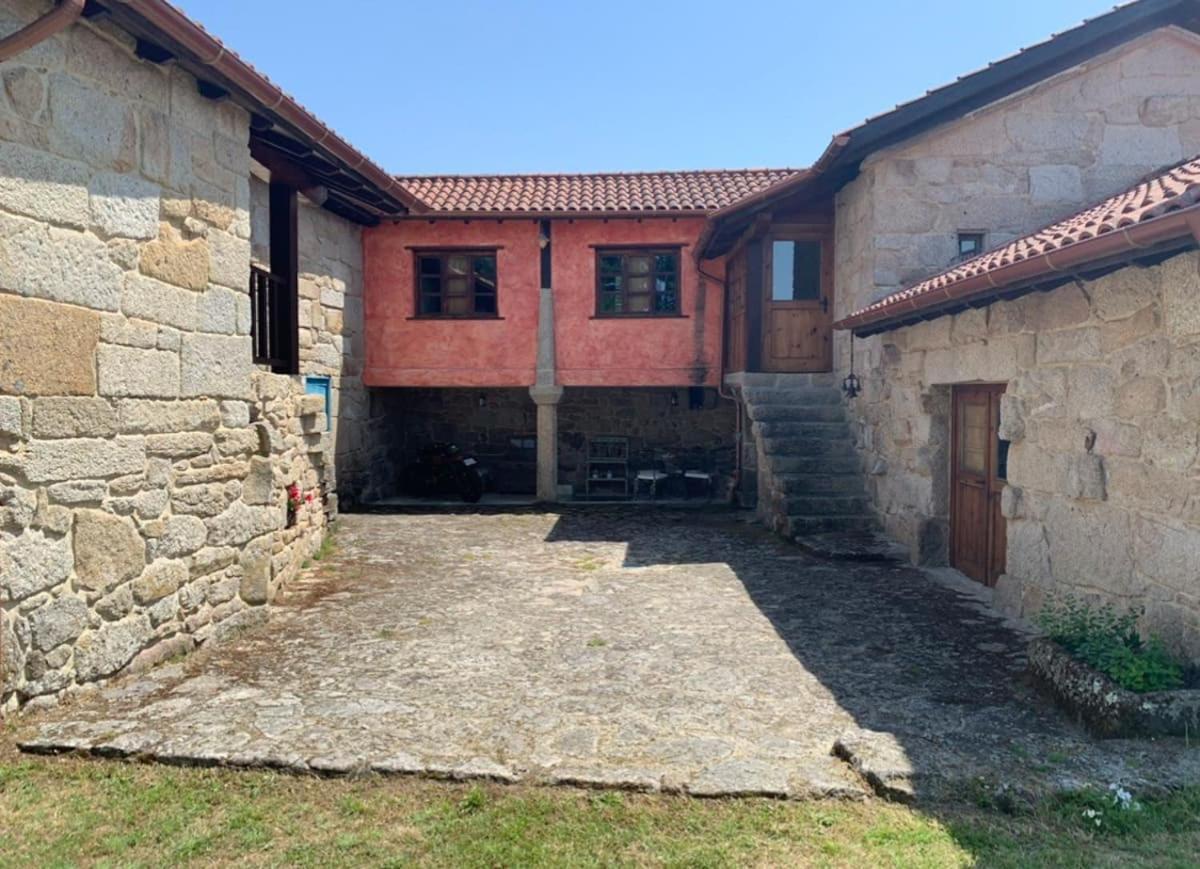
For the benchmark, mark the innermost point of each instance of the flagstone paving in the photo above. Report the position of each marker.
(652, 650)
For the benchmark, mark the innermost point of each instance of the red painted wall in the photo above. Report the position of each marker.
(591, 351)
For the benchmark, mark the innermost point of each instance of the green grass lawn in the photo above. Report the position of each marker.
(67, 811)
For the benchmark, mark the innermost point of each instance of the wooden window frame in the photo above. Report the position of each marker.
(964, 234)
(635, 250)
(444, 253)
(274, 292)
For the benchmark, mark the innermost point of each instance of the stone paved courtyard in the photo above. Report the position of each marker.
(652, 650)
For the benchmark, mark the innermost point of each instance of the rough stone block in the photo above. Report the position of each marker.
(43, 186)
(159, 302)
(96, 57)
(76, 492)
(181, 536)
(160, 579)
(26, 89)
(255, 562)
(229, 260)
(219, 310)
(60, 417)
(130, 372)
(108, 550)
(1074, 345)
(47, 349)
(1136, 145)
(144, 416)
(179, 445)
(239, 524)
(235, 414)
(1012, 418)
(258, 487)
(1085, 478)
(119, 329)
(1057, 184)
(11, 417)
(1090, 545)
(92, 126)
(33, 563)
(1091, 391)
(58, 622)
(124, 205)
(60, 265)
(83, 459)
(1181, 295)
(174, 260)
(216, 366)
(237, 442)
(106, 650)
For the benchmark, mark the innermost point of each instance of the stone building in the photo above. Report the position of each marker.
(1090, 407)
(219, 321)
(159, 479)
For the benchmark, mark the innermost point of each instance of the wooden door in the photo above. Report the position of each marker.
(979, 466)
(797, 303)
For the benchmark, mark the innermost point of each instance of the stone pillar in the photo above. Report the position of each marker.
(546, 392)
(546, 398)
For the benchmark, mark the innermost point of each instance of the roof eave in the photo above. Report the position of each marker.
(988, 287)
(151, 18)
(551, 215)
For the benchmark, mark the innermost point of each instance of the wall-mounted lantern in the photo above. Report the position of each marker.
(851, 386)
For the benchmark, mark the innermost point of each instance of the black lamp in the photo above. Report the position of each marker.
(851, 386)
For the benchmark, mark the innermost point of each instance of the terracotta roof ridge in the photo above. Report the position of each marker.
(497, 176)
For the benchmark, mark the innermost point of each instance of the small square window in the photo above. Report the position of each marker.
(969, 244)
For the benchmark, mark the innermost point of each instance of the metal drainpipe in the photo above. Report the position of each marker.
(737, 435)
(58, 19)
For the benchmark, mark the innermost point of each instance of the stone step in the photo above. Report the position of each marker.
(791, 396)
(828, 505)
(848, 483)
(865, 546)
(804, 525)
(832, 431)
(793, 412)
(802, 446)
(746, 380)
(801, 413)
(786, 463)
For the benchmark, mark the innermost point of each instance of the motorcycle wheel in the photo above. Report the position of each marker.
(470, 485)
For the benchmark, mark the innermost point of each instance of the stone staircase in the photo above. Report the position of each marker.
(809, 479)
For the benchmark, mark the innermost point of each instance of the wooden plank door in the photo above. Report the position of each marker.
(979, 465)
(797, 303)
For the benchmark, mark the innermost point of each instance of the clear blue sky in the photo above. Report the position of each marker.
(569, 86)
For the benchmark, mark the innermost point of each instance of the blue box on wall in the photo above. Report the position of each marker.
(314, 385)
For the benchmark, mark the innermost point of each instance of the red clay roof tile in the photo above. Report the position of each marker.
(698, 191)
(1171, 190)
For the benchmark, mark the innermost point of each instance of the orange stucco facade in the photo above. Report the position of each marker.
(402, 350)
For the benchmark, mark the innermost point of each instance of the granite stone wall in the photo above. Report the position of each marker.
(144, 460)
(1102, 409)
(331, 329)
(1005, 170)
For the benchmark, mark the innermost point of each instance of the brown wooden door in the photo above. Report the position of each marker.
(979, 465)
(797, 303)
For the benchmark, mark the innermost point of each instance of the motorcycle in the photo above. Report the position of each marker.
(441, 469)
